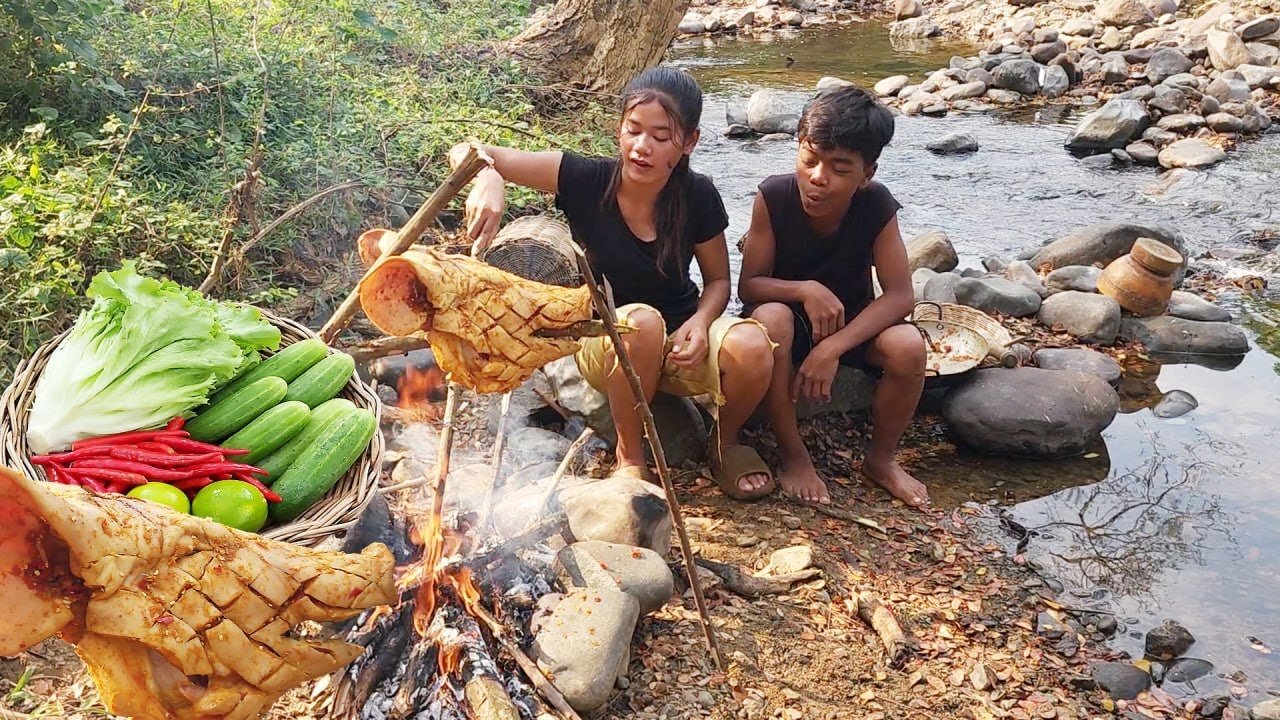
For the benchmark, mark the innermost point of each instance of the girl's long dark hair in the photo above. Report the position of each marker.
(678, 93)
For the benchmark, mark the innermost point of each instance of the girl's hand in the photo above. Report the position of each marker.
(691, 344)
(484, 208)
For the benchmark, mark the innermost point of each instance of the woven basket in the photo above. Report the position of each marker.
(997, 336)
(536, 247)
(334, 512)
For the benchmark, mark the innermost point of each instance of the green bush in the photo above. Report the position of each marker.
(326, 91)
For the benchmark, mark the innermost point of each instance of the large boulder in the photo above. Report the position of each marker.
(997, 295)
(1085, 360)
(1089, 316)
(1031, 411)
(933, 250)
(1192, 153)
(1123, 13)
(941, 287)
(918, 27)
(1226, 50)
(1165, 63)
(1112, 126)
(1165, 334)
(1056, 81)
(638, 572)
(1018, 75)
(770, 111)
(1102, 243)
(623, 510)
(892, 85)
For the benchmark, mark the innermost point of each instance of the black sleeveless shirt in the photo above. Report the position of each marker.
(841, 261)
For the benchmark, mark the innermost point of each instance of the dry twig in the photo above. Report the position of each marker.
(737, 580)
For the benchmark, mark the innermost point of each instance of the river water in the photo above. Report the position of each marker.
(1171, 518)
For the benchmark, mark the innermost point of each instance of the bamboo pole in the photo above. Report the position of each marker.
(475, 161)
(606, 311)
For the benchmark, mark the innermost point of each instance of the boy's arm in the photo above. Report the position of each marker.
(756, 286)
(893, 272)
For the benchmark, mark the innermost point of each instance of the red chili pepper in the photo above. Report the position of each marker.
(117, 487)
(66, 457)
(157, 447)
(163, 460)
(89, 482)
(176, 423)
(143, 469)
(57, 475)
(223, 467)
(194, 483)
(136, 436)
(267, 492)
(130, 478)
(187, 445)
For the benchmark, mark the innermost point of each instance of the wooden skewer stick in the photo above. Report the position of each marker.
(606, 311)
(563, 468)
(382, 347)
(475, 161)
(530, 668)
(486, 510)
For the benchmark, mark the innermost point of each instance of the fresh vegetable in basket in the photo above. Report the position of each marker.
(147, 350)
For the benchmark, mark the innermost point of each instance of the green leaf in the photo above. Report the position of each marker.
(365, 18)
(47, 113)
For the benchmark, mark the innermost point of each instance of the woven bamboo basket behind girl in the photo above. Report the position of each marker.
(334, 512)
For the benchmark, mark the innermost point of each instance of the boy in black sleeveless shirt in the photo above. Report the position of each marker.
(806, 275)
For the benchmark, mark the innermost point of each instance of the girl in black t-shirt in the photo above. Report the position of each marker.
(642, 219)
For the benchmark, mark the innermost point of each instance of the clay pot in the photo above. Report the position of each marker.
(1142, 281)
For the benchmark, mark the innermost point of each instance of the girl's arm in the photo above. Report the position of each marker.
(487, 200)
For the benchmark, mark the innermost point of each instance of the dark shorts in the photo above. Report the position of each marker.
(802, 344)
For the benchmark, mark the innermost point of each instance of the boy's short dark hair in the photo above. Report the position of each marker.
(849, 118)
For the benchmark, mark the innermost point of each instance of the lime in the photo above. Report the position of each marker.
(233, 503)
(162, 494)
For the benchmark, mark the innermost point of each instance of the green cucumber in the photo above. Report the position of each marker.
(325, 414)
(221, 419)
(287, 365)
(321, 464)
(323, 381)
(269, 431)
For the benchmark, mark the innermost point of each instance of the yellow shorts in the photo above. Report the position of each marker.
(700, 379)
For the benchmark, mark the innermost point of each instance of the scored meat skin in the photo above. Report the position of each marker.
(174, 616)
(482, 322)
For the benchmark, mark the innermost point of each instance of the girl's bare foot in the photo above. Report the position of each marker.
(800, 480)
(900, 484)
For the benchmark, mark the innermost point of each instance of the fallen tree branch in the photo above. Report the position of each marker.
(382, 347)
(737, 579)
(842, 514)
(875, 614)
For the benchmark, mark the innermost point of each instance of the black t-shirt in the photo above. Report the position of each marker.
(841, 261)
(630, 264)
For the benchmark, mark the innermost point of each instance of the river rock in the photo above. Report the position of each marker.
(906, 9)
(1226, 50)
(1121, 680)
(1088, 316)
(851, 392)
(1102, 243)
(1085, 360)
(691, 25)
(1228, 90)
(1262, 55)
(1046, 35)
(1030, 411)
(919, 27)
(1018, 75)
(1184, 670)
(1168, 100)
(624, 510)
(1056, 81)
(1224, 123)
(1078, 26)
(584, 642)
(1259, 28)
(1177, 335)
(789, 560)
(891, 86)
(1122, 13)
(1083, 278)
(1168, 640)
(1184, 123)
(737, 19)
(828, 83)
(1258, 76)
(1143, 153)
(1021, 272)
(964, 91)
(1265, 710)
(1046, 51)
(1113, 125)
(1209, 105)
(1192, 153)
(997, 295)
(920, 277)
(1159, 138)
(933, 250)
(638, 572)
(739, 132)
(735, 114)
(1193, 307)
(941, 287)
(1160, 8)
(981, 75)
(955, 143)
(1174, 404)
(791, 17)
(1115, 69)
(770, 111)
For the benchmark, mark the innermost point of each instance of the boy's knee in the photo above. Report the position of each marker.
(903, 350)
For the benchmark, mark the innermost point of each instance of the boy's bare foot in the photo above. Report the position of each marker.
(800, 480)
(900, 484)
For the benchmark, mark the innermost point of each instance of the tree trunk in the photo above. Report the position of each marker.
(597, 44)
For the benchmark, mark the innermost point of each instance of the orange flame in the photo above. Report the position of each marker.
(418, 390)
(460, 580)
(450, 658)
